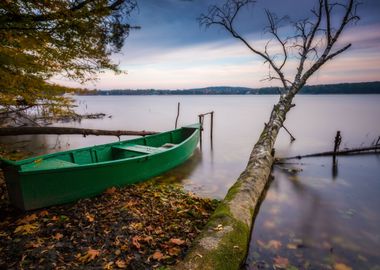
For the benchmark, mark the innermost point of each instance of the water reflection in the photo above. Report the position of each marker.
(309, 220)
(334, 168)
(184, 171)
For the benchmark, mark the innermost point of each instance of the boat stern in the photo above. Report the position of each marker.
(13, 183)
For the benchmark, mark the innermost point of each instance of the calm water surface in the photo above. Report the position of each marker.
(320, 218)
(238, 123)
(315, 219)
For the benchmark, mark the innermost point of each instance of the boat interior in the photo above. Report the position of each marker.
(109, 152)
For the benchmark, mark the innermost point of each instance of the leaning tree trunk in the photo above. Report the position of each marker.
(223, 243)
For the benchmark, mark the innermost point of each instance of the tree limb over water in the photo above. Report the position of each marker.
(68, 130)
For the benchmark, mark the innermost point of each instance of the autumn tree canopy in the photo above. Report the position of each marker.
(40, 39)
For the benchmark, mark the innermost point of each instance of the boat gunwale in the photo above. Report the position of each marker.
(102, 163)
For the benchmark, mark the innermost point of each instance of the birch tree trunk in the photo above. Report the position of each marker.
(223, 243)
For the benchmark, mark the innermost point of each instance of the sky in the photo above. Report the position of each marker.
(172, 51)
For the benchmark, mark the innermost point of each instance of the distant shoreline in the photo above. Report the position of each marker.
(326, 89)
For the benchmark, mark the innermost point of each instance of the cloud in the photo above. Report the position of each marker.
(228, 62)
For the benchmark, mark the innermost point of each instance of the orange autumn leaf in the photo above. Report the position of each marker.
(147, 239)
(281, 262)
(90, 255)
(177, 241)
(58, 236)
(128, 205)
(174, 251)
(90, 217)
(43, 213)
(341, 266)
(27, 229)
(27, 219)
(35, 244)
(121, 264)
(135, 241)
(108, 266)
(274, 244)
(136, 226)
(158, 255)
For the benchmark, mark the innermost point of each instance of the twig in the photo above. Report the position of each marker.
(292, 138)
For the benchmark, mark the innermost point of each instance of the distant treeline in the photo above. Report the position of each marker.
(342, 88)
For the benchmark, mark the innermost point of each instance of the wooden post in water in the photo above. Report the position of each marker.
(200, 129)
(176, 120)
(212, 125)
(337, 141)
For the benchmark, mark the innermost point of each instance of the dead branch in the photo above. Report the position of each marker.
(225, 16)
(292, 138)
(362, 150)
(14, 131)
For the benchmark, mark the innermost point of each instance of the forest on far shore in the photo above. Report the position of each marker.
(341, 88)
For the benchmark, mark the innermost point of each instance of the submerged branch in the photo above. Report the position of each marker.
(362, 150)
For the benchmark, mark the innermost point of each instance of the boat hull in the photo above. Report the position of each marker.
(37, 188)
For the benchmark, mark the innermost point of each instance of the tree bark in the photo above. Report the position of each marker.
(68, 130)
(223, 243)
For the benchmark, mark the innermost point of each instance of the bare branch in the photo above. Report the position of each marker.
(331, 38)
(225, 17)
(328, 21)
(273, 29)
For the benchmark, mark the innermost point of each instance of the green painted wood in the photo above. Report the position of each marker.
(67, 176)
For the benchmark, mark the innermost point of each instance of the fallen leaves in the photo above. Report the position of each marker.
(157, 255)
(90, 255)
(89, 217)
(174, 251)
(35, 244)
(58, 236)
(43, 213)
(27, 219)
(135, 241)
(177, 241)
(280, 262)
(26, 229)
(141, 226)
(121, 264)
(341, 266)
(274, 244)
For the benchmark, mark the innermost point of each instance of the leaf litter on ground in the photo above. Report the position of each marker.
(144, 226)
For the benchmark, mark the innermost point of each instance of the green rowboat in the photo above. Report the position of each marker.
(67, 176)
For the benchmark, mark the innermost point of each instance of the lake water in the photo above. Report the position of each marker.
(320, 218)
(237, 126)
(313, 216)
